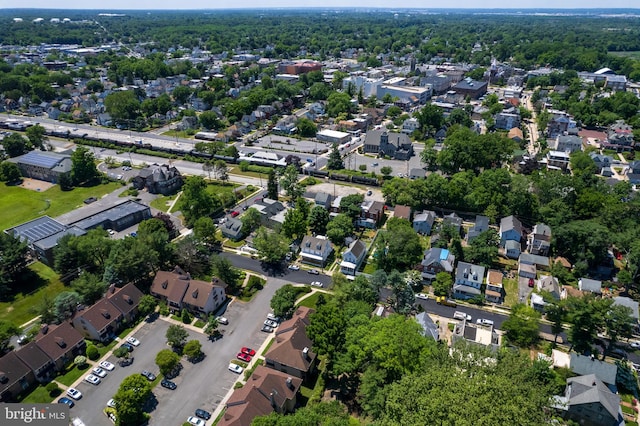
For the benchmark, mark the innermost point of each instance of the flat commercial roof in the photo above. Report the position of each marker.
(37, 229)
(112, 214)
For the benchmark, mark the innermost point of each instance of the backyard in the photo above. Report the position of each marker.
(21, 205)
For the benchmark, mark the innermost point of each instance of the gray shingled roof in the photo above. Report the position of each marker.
(588, 389)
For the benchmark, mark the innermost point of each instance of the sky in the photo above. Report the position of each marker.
(253, 4)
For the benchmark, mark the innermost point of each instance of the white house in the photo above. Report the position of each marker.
(352, 257)
(315, 250)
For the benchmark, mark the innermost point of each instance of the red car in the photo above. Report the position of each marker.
(243, 357)
(248, 351)
(530, 282)
(234, 213)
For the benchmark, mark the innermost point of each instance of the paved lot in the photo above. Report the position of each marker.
(201, 385)
(354, 160)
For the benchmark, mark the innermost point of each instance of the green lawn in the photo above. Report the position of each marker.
(162, 202)
(20, 205)
(311, 301)
(72, 374)
(43, 282)
(39, 396)
(102, 349)
(266, 349)
(511, 291)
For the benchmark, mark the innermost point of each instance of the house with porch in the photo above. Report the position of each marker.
(510, 229)
(315, 250)
(437, 260)
(468, 281)
(494, 292)
(352, 257)
(539, 240)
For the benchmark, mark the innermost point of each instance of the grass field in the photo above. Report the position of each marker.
(511, 291)
(44, 283)
(633, 54)
(311, 301)
(21, 205)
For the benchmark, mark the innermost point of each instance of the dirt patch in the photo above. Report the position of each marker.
(36, 185)
(343, 190)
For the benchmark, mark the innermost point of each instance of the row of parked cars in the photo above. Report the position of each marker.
(97, 373)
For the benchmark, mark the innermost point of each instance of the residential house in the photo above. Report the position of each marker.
(516, 135)
(583, 365)
(507, 120)
(429, 328)
(527, 270)
(567, 143)
(537, 302)
(38, 361)
(592, 286)
(410, 125)
(629, 303)
(266, 391)
(402, 212)
(510, 229)
(550, 285)
(477, 334)
(156, 179)
(468, 280)
(291, 350)
(269, 209)
(232, 228)
(15, 377)
(180, 291)
(588, 401)
(417, 173)
(352, 257)
(481, 225)
(371, 214)
(126, 299)
(315, 250)
(437, 260)
(423, 222)
(99, 322)
(542, 262)
(512, 249)
(620, 136)
(452, 220)
(62, 343)
(633, 173)
(539, 241)
(323, 199)
(494, 291)
(557, 160)
(395, 145)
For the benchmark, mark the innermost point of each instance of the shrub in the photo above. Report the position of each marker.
(121, 352)
(185, 317)
(80, 360)
(93, 353)
(51, 387)
(164, 309)
(244, 166)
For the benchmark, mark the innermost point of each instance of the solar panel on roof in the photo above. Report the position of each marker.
(39, 159)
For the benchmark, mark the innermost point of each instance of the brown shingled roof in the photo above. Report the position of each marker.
(291, 340)
(12, 370)
(403, 212)
(197, 293)
(58, 340)
(100, 314)
(33, 356)
(170, 285)
(126, 299)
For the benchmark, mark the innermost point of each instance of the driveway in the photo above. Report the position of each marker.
(201, 385)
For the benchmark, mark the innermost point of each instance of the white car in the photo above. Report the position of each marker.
(635, 345)
(317, 284)
(222, 320)
(94, 380)
(423, 296)
(272, 317)
(133, 341)
(111, 403)
(235, 368)
(483, 321)
(193, 420)
(294, 267)
(271, 323)
(97, 371)
(74, 393)
(107, 365)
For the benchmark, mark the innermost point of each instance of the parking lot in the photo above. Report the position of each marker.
(201, 385)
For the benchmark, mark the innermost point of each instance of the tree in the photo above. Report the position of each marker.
(586, 320)
(250, 220)
(398, 246)
(271, 246)
(64, 305)
(181, 94)
(224, 269)
(176, 336)
(338, 103)
(442, 284)
(303, 206)
(196, 202)
(522, 326)
(402, 292)
(132, 395)
(193, 350)
(339, 228)
(80, 361)
(167, 360)
(318, 219)
(204, 231)
(323, 413)
(386, 170)
(483, 249)
(210, 120)
(15, 145)
(121, 352)
(294, 225)
(272, 186)
(306, 127)
(13, 262)
(83, 166)
(431, 119)
(555, 313)
(7, 329)
(335, 159)
(122, 105)
(36, 135)
(220, 170)
(618, 322)
(89, 286)
(147, 305)
(352, 205)
(283, 301)
(9, 172)
(289, 182)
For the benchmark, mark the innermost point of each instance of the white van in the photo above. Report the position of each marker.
(461, 316)
(483, 321)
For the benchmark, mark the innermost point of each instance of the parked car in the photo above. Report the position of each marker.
(369, 192)
(313, 272)
(74, 393)
(441, 300)
(243, 357)
(461, 316)
(271, 323)
(423, 296)
(635, 345)
(111, 403)
(149, 375)
(107, 365)
(222, 320)
(317, 284)
(530, 282)
(235, 368)
(248, 351)
(23, 339)
(294, 267)
(90, 200)
(266, 329)
(618, 353)
(193, 420)
(128, 347)
(168, 384)
(272, 317)
(65, 400)
(126, 361)
(203, 414)
(132, 340)
(97, 371)
(234, 213)
(484, 321)
(94, 380)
